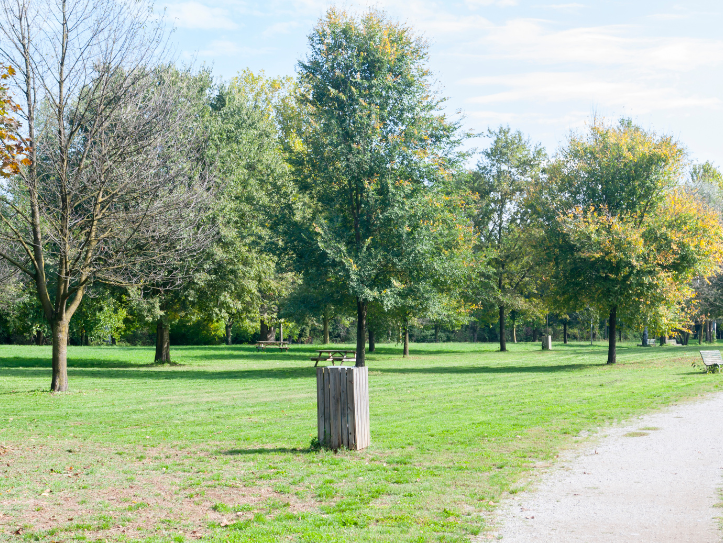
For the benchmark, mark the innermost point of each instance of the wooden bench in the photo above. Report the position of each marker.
(711, 360)
(333, 356)
(282, 345)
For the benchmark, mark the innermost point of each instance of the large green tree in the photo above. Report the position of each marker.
(245, 151)
(623, 238)
(376, 153)
(507, 227)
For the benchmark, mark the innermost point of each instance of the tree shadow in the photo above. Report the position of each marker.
(277, 450)
(116, 358)
(87, 363)
(466, 370)
(182, 375)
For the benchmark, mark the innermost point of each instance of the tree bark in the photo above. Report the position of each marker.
(263, 331)
(229, 336)
(59, 381)
(39, 338)
(612, 336)
(514, 331)
(372, 341)
(405, 354)
(436, 333)
(535, 335)
(163, 342)
(326, 328)
(474, 332)
(361, 332)
(564, 332)
(503, 339)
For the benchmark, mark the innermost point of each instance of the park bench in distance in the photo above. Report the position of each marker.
(651, 343)
(282, 345)
(711, 360)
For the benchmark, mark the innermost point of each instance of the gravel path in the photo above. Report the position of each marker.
(660, 487)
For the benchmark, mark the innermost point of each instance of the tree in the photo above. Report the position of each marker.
(505, 221)
(705, 184)
(113, 192)
(623, 237)
(377, 150)
(246, 151)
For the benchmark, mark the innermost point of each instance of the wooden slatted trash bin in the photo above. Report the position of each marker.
(343, 407)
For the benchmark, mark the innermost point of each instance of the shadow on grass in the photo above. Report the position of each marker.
(170, 374)
(467, 370)
(306, 372)
(116, 357)
(277, 450)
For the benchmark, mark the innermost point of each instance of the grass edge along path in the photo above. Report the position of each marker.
(218, 448)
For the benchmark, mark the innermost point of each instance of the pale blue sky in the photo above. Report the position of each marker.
(543, 67)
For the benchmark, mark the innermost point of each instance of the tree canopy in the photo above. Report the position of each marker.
(623, 236)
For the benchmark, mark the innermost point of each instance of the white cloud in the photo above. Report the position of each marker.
(228, 48)
(565, 7)
(197, 15)
(668, 16)
(474, 4)
(596, 89)
(618, 45)
(280, 28)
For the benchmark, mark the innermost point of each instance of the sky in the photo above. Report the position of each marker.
(541, 67)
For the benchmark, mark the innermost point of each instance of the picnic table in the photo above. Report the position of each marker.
(261, 345)
(335, 355)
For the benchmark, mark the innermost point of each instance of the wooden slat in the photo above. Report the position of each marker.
(360, 409)
(350, 400)
(335, 409)
(365, 400)
(342, 408)
(327, 407)
(320, 404)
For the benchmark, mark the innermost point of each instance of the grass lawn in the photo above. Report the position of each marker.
(218, 447)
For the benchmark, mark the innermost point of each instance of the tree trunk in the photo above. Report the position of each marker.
(405, 354)
(229, 328)
(503, 339)
(39, 338)
(326, 328)
(514, 331)
(699, 329)
(612, 336)
(163, 342)
(361, 332)
(534, 334)
(372, 341)
(436, 333)
(59, 382)
(474, 333)
(564, 332)
(620, 332)
(263, 331)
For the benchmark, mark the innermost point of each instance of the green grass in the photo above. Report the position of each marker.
(218, 447)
